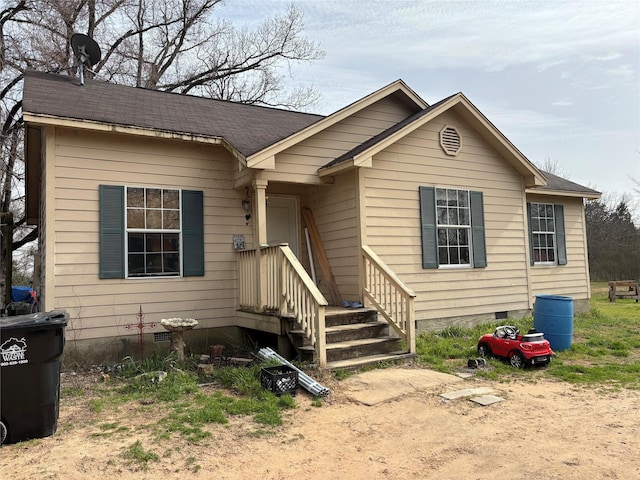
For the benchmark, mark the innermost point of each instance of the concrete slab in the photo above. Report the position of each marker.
(486, 400)
(467, 392)
(377, 386)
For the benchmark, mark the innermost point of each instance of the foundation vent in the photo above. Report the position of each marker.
(161, 336)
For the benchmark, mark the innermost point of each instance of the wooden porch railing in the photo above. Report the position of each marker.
(272, 280)
(390, 296)
(248, 297)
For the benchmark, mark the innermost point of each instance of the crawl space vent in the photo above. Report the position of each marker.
(161, 336)
(450, 140)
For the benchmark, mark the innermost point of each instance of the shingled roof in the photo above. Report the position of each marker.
(559, 184)
(248, 128)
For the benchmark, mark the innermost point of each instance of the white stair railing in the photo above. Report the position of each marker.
(287, 289)
(390, 296)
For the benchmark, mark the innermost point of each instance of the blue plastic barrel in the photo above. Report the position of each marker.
(553, 315)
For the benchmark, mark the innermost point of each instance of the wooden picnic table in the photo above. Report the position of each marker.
(624, 289)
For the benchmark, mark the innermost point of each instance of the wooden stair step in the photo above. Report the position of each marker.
(359, 342)
(353, 345)
(353, 363)
(361, 348)
(342, 316)
(354, 326)
(355, 331)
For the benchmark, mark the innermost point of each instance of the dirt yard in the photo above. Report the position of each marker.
(542, 429)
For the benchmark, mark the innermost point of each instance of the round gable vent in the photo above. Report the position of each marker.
(450, 140)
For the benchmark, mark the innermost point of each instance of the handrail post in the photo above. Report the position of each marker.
(283, 281)
(383, 288)
(321, 336)
(411, 325)
(261, 266)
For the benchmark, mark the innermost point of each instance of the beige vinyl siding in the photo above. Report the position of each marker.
(334, 209)
(100, 308)
(301, 162)
(393, 221)
(334, 206)
(571, 279)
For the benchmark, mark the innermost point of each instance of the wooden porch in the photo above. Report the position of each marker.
(278, 293)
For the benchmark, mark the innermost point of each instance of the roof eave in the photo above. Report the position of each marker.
(336, 169)
(564, 193)
(92, 125)
(345, 165)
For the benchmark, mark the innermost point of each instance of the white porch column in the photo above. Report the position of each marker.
(260, 234)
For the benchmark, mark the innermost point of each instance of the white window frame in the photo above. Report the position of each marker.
(451, 226)
(540, 232)
(128, 231)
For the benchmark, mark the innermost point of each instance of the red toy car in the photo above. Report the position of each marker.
(521, 350)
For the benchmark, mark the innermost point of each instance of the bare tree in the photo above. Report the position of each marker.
(172, 45)
(552, 166)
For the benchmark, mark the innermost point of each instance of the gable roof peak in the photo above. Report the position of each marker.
(459, 103)
(398, 88)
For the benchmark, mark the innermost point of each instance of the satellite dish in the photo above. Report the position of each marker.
(87, 51)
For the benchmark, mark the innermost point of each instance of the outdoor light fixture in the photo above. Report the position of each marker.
(246, 206)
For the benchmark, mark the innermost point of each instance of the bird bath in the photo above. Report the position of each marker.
(177, 327)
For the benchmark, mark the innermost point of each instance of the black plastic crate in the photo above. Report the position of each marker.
(279, 379)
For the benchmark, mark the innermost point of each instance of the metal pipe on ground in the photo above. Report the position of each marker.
(308, 383)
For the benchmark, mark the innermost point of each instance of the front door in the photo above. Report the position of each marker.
(282, 221)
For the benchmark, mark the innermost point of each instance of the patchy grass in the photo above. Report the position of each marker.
(188, 409)
(343, 373)
(605, 349)
(72, 392)
(449, 349)
(606, 344)
(137, 456)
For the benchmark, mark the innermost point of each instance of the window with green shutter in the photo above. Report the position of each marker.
(452, 228)
(150, 232)
(547, 245)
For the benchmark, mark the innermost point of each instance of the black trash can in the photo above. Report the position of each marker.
(30, 351)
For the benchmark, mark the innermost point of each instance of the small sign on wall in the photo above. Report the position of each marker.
(238, 242)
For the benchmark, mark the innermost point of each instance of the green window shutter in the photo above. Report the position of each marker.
(478, 240)
(561, 245)
(111, 233)
(530, 223)
(192, 233)
(428, 227)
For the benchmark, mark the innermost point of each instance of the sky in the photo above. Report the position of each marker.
(560, 79)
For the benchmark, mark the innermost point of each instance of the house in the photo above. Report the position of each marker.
(153, 205)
